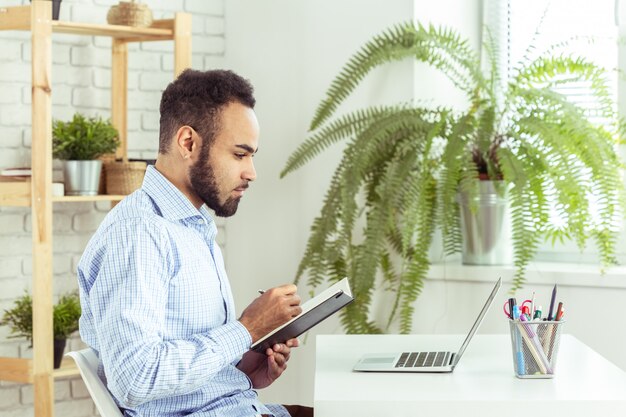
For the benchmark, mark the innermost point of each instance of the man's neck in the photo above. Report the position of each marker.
(177, 175)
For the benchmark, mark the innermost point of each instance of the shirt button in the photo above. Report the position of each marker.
(201, 221)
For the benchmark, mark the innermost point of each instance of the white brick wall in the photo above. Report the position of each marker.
(81, 81)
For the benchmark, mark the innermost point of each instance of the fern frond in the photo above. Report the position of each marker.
(454, 162)
(441, 48)
(342, 128)
(413, 278)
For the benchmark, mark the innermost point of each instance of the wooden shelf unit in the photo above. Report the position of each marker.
(37, 193)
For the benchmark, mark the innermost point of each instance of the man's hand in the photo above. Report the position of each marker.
(273, 308)
(263, 369)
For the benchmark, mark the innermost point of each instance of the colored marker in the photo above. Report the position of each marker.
(519, 354)
(559, 312)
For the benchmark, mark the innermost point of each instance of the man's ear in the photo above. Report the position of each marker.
(186, 142)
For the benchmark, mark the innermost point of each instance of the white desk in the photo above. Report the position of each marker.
(483, 384)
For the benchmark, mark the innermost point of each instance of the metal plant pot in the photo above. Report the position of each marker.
(81, 177)
(56, 8)
(486, 225)
(58, 350)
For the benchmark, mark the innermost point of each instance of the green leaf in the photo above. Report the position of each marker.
(83, 138)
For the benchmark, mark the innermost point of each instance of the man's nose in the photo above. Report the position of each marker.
(249, 173)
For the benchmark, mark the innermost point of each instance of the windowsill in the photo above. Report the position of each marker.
(565, 274)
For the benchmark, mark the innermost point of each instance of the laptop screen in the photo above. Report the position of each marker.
(478, 320)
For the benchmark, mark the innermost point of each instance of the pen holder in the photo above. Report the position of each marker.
(535, 347)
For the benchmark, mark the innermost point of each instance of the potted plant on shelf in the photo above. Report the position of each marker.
(406, 168)
(78, 143)
(65, 316)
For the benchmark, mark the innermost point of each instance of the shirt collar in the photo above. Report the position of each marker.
(172, 203)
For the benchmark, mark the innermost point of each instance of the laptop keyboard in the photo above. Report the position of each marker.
(423, 359)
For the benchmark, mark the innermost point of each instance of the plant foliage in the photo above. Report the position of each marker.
(83, 138)
(66, 314)
(403, 166)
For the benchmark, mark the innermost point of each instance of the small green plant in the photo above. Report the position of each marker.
(65, 317)
(83, 138)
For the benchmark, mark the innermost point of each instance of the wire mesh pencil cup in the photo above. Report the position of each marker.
(535, 346)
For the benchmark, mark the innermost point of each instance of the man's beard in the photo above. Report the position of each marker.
(202, 178)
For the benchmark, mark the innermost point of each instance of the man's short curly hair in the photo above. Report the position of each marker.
(196, 99)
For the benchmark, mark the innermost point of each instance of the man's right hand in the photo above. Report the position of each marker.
(273, 308)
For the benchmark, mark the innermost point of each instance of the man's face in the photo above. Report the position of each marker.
(225, 168)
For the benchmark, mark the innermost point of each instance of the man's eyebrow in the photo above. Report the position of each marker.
(247, 148)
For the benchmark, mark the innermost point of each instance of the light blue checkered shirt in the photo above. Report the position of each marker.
(158, 309)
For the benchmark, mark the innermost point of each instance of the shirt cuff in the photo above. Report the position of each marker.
(235, 337)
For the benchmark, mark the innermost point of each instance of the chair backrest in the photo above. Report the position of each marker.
(87, 362)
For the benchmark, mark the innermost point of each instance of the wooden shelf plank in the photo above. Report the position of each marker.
(18, 18)
(68, 369)
(20, 370)
(16, 370)
(128, 33)
(86, 198)
(15, 193)
(15, 18)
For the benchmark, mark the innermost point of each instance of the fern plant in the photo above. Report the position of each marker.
(403, 166)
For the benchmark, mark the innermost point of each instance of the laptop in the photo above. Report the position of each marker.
(423, 361)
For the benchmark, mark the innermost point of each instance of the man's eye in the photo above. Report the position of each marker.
(240, 155)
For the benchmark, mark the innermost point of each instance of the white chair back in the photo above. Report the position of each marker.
(87, 363)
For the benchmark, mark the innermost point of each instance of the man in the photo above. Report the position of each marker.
(157, 304)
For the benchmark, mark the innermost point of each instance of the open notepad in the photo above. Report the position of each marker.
(314, 311)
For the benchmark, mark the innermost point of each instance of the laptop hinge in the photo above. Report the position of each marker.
(452, 357)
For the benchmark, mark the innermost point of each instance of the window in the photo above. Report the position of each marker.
(522, 29)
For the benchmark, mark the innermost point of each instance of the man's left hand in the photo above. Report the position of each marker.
(263, 369)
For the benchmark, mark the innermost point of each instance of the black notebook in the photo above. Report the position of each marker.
(314, 311)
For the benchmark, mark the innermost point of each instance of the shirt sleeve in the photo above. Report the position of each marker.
(278, 410)
(128, 301)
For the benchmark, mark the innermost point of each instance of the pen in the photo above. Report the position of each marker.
(532, 305)
(558, 317)
(550, 316)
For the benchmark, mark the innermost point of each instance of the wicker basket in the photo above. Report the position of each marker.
(106, 159)
(130, 14)
(122, 178)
